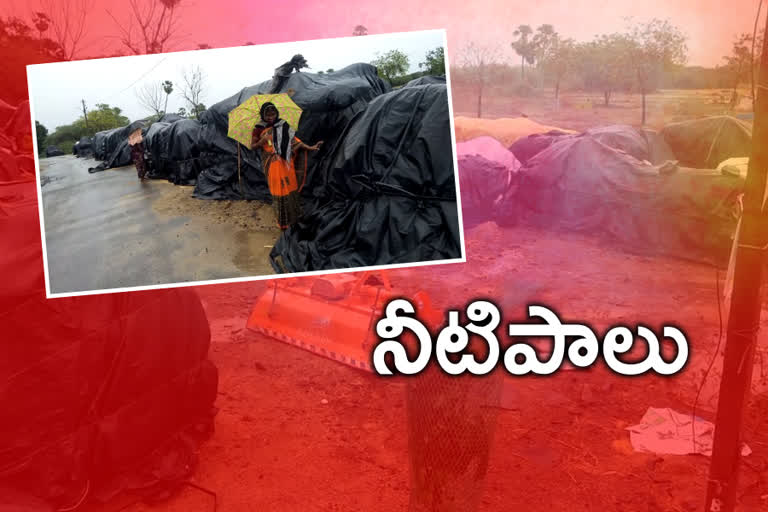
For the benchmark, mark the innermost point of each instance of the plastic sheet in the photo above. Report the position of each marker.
(386, 193)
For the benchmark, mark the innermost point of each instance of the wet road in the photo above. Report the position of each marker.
(102, 232)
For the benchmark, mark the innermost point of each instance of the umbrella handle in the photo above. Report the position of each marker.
(239, 177)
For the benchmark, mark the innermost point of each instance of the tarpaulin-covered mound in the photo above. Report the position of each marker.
(488, 148)
(84, 147)
(704, 143)
(580, 184)
(53, 151)
(105, 393)
(329, 102)
(390, 193)
(426, 80)
(528, 147)
(173, 151)
(119, 157)
(98, 143)
(19, 127)
(170, 118)
(645, 145)
(505, 130)
(16, 147)
(483, 183)
(109, 142)
(486, 172)
(6, 112)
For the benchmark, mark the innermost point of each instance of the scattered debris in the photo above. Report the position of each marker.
(665, 431)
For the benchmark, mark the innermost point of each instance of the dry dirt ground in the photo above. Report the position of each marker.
(580, 111)
(296, 432)
(560, 443)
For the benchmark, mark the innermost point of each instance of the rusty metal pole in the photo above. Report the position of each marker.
(744, 317)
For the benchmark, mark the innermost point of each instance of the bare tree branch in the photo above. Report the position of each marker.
(68, 23)
(157, 22)
(476, 60)
(150, 96)
(194, 80)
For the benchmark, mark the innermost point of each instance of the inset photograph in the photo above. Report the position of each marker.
(173, 169)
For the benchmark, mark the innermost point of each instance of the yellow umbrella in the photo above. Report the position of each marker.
(244, 117)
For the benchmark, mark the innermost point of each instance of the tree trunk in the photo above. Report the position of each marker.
(607, 97)
(480, 101)
(522, 68)
(85, 115)
(735, 94)
(557, 95)
(642, 92)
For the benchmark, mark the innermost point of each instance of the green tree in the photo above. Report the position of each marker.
(543, 44)
(103, 117)
(360, 30)
(604, 65)
(182, 112)
(739, 64)
(558, 61)
(329, 70)
(656, 47)
(42, 134)
(434, 62)
(41, 22)
(524, 47)
(392, 64)
(20, 46)
(197, 110)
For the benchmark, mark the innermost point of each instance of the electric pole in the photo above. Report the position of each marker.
(744, 316)
(85, 114)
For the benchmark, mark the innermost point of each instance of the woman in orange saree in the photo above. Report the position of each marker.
(281, 155)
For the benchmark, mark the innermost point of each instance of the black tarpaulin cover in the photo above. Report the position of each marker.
(705, 143)
(118, 158)
(99, 143)
(528, 147)
(389, 193)
(170, 118)
(114, 144)
(482, 182)
(155, 147)
(174, 150)
(90, 387)
(84, 147)
(329, 102)
(641, 144)
(580, 184)
(53, 151)
(426, 80)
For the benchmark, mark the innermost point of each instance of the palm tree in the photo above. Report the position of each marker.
(168, 89)
(543, 44)
(523, 45)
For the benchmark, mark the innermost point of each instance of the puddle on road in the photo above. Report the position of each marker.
(45, 180)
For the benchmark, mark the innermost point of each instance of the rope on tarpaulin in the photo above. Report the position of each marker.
(387, 189)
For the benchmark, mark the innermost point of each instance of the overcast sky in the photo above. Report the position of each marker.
(710, 25)
(57, 88)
